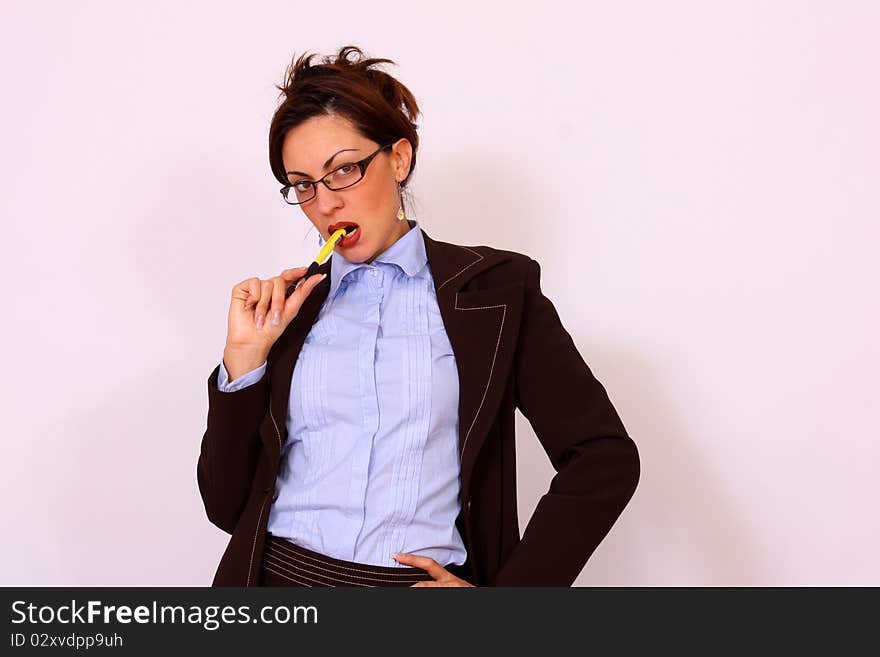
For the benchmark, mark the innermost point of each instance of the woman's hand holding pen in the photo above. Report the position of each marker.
(258, 315)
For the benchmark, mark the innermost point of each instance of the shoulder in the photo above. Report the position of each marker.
(503, 265)
(478, 266)
(500, 254)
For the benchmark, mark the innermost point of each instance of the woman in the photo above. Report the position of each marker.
(361, 431)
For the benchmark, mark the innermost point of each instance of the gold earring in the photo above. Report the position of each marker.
(401, 215)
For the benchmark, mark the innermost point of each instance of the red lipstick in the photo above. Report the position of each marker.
(352, 235)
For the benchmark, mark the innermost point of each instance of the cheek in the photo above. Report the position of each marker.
(312, 215)
(375, 199)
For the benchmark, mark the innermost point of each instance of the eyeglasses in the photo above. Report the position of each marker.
(345, 175)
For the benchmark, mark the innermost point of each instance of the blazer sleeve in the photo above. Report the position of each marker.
(596, 462)
(230, 449)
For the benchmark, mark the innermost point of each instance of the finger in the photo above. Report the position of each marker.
(244, 292)
(263, 304)
(433, 568)
(240, 291)
(294, 274)
(427, 584)
(295, 300)
(299, 281)
(279, 286)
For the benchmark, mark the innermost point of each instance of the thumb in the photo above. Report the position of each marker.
(295, 301)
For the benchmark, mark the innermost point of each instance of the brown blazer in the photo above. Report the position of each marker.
(512, 352)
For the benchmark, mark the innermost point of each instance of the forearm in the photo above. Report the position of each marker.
(596, 462)
(239, 361)
(585, 499)
(230, 449)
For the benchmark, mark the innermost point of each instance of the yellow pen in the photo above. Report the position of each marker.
(322, 256)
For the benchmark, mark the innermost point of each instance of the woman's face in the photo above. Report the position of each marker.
(371, 203)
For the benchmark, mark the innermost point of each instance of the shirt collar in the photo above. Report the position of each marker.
(408, 253)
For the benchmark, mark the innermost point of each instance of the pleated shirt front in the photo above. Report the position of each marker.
(371, 465)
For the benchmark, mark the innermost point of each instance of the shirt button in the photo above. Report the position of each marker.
(375, 272)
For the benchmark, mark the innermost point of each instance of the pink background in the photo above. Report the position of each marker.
(699, 182)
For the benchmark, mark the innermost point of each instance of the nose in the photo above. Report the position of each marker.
(326, 200)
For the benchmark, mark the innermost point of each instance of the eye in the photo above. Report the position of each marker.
(346, 169)
(302, 185)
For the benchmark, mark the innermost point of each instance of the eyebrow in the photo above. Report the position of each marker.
(326, 164)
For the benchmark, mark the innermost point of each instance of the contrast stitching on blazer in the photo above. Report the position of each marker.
(293, 562)
(254, 546)
(269, 561)
(285, 576)
(340, 582)
(279, 562)
(268, 566)
(492, 369)
(479, 257)
(277, 433)
(292, 579)
(295, 555)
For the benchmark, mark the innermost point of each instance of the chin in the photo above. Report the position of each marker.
(360, 254)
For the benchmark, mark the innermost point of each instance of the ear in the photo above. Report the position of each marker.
(401, 158)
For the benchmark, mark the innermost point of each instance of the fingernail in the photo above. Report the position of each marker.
(276, 317)
(396, 555)
(259, 322)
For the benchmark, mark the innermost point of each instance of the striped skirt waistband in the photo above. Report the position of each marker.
(287, 564)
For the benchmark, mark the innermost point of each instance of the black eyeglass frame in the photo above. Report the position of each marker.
(361, 164)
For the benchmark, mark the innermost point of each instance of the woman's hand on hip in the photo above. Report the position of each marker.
(442, 577)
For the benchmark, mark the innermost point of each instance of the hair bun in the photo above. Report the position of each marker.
(348, 83)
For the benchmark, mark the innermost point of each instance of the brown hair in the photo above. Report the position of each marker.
(379, 106)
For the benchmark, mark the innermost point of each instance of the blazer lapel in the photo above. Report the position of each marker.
(482, 325)
(280, 364)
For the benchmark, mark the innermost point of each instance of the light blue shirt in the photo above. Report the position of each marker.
(370, 465)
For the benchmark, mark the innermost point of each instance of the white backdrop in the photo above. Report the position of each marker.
(698, 181)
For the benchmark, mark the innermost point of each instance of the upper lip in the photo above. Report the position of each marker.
(332, 228)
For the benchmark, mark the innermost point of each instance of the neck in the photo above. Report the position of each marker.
(404, 228)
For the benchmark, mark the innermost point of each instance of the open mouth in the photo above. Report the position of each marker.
(352, 233)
